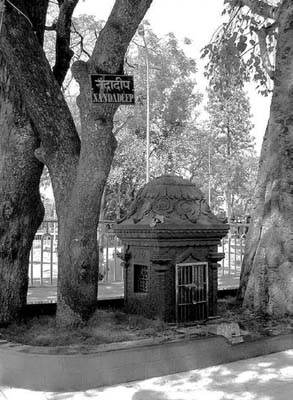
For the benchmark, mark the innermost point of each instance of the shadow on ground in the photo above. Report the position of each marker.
(261, 378)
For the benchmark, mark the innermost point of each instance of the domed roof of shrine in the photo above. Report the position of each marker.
(170, 200)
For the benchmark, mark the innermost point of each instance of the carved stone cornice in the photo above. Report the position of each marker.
(160, 260)
(214, 256)
(141, 232)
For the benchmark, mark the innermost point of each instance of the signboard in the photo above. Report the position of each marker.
(112, 89)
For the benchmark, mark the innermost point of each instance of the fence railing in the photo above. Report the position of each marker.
(43, 264)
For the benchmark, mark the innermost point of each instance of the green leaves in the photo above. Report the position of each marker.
(229, 122)
(237, 47)
(242, 43)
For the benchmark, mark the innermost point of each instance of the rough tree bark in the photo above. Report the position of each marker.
(78, 244)
(267, 276)
(78, 167)
(21, 209)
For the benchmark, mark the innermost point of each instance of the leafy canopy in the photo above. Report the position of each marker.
(246, 43)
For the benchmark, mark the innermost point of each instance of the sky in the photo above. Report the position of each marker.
(197, 20)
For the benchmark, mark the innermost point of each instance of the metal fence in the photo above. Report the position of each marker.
(43, 264)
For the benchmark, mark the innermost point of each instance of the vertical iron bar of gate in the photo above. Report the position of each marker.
(197, 293)
(176, 293)
(229, 256)
(235, 255)
(204, 296)
(223, 260)
(181, 310)
(190, 277)
(107, 257)
(114, 256)
(186, 294)
(51, 259)
(42, 259)
(183, 292)
(207, 288)
(32, 265)
(201, 292)
(180, 291)
(185, 307)
(187, 298)
(197, 290)
(122, 272)
(193, 291)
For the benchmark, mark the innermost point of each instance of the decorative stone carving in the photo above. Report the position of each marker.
(170, 199)
(170, 223)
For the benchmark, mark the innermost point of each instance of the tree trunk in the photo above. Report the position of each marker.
(78, 239)
(78, 265)
(266, 283)
(78, 254)
(21, 209)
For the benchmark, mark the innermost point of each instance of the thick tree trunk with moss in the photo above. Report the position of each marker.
(78, 241)
(78, 167)
(21, 209)
(267, 276)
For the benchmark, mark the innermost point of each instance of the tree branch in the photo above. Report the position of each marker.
(259, 7)
(60, 144)
(116, 35)
(36, 12)
(63, 51)
(269, 68)
(82, 49)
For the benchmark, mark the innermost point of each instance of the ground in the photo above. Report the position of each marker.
(108, 326)
(253, 324)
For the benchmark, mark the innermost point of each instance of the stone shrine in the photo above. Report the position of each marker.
(171, 239)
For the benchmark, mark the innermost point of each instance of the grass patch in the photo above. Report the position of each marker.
(110, 326)
(105, 326)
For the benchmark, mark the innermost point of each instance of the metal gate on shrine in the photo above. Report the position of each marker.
(191, 292)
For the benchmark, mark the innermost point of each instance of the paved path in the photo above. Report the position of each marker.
(47, 294)
(261, 378)
(107, 290)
